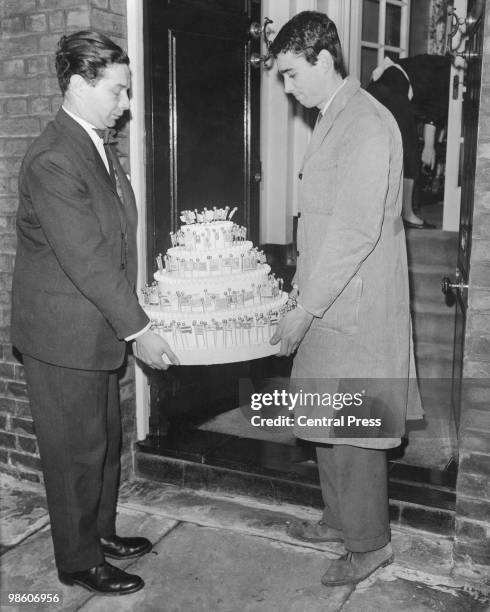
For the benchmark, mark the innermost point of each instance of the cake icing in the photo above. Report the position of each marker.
(214, 299)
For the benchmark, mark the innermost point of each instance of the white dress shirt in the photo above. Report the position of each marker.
(94, 137)
(329, 101)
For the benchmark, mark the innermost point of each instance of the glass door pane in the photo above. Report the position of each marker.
(369, 61)
(393, 55)
(393, 21)
(370, 20)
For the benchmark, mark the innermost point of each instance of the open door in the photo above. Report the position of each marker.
(202, 121)
(458, 286)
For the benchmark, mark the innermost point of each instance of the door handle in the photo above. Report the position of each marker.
(447, 285)
(256, 59)
(254, 31)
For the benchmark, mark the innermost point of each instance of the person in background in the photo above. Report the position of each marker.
(415, 89)
(75, 310)
(352, 320)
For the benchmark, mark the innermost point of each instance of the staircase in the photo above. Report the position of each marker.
(431, 256)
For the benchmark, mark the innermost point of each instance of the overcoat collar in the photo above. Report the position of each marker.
(325, 123)
(85, 147)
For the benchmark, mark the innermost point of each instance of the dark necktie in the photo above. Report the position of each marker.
(121, 182)
(318, 118)
(107, 136)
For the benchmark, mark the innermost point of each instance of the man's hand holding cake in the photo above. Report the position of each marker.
(154, 351)
(291, 330)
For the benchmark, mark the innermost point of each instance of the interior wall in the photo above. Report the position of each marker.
(286, 126)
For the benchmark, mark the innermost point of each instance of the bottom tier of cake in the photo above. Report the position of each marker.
(201, 338)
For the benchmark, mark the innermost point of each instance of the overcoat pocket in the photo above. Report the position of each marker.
(343, 315)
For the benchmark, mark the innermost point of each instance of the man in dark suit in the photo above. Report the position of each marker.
(75, 308)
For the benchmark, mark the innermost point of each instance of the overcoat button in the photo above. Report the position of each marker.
(300, 176)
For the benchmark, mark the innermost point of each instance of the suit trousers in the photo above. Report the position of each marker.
(78, 426)
(354, 483)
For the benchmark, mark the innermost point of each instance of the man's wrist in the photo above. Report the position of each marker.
(139, 333)
(301, 307)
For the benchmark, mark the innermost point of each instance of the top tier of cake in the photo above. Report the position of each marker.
(207, 237)
(212, 267)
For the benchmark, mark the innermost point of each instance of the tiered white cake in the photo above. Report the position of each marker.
(214, 299)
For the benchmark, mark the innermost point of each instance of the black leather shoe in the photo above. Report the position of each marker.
(104, 579)
(423, 225)
(124, 548)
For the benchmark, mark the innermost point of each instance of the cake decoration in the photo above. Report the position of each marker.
(214, 298)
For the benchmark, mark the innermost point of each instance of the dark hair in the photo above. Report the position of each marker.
(86, 53)
(308, 33)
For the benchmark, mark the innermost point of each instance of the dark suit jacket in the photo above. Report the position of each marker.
(73, 302)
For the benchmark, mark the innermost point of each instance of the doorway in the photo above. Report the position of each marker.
(202, 121)
(194, 414)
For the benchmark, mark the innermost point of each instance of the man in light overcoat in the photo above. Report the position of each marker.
(351, 330)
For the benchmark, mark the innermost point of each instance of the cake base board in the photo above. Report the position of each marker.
(230, 354)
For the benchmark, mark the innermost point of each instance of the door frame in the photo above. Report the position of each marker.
(452, 186)
(137, 155)
(134, 24)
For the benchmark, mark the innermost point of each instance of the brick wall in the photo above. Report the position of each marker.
(29, 98)
(472, 538)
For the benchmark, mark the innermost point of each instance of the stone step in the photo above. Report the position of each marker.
(435, 247)
(433, 511)
(434, 327)
(433, 321)
(425, 282)
(433, 360)
(426, 305)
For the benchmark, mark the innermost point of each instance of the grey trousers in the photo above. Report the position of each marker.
(354, 484)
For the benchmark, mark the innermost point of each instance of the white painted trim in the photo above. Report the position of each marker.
(381, 31)
(405, 29)
(284, 134)
(355, 39)
(274, 143)
(340, 14)
(452, 191)
(134, 12)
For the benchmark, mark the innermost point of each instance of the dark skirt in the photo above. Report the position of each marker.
(391, 89)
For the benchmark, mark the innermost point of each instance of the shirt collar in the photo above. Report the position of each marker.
(330, 100)
(88, 127)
